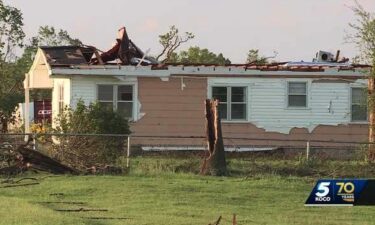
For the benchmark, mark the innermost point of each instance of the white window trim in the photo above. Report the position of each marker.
(61, 96)
(308, 94)
(135, 110)
(350, 106)
(246, 86)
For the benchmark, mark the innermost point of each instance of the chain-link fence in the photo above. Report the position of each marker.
(98, 152)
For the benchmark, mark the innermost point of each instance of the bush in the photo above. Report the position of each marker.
(82, 152)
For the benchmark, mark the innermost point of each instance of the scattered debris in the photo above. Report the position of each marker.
(66, 203)
(19, 185)
(56, 194)
(106, 218)
(81, 210)
(26, 158)
(217, 221)
(126, 51)
(106, 169)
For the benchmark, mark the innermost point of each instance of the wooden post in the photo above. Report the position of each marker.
(307, 150)
(26, 109)
(35, 142)
(215, 163)
(371, 138)
(234, 222)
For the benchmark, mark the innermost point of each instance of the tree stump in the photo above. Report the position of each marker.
(214, 164)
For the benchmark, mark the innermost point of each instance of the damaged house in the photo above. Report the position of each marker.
(266, 105)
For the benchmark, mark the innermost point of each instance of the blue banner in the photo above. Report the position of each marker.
(341, 192)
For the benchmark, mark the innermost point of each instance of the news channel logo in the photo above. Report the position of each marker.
(342, 192)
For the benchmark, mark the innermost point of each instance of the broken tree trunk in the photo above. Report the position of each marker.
(215, 163)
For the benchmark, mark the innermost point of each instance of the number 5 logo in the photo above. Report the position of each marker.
(323, 189)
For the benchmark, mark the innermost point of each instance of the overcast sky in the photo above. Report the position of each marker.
(296, 29)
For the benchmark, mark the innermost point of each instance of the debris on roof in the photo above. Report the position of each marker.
(67, 55)
(126, 52)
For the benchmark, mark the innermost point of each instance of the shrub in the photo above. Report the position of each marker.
(85, 151)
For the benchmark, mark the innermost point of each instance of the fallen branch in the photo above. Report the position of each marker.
(217, 221)
(56, 194)
(82, 210)
(67, 203)
(106, 218)
(19, 185)
(11, 181)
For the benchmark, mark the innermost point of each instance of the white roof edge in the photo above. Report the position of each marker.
(193, 70)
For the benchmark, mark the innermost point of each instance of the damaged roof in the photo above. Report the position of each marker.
(67, 55)
(126, 53)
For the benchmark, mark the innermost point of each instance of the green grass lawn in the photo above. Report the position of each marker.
(173, 198)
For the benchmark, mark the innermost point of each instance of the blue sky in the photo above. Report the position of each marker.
(296, 29)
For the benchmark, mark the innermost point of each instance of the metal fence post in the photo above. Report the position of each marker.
(128, 153)
(35, 136)
(307, 150)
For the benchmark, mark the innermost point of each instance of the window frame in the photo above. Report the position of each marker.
(229, 102)
(115, 100)
(351, 106)
(306, 94)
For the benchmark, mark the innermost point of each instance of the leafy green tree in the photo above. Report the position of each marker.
(11, 37)
(171, 41)
(254, 57)
(364, 37)
(364, 34)
(198, 55)
(50, 36)
(47, 36)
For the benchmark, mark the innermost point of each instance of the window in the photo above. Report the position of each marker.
(359, 104)
(117, 97)
(232, 102)
(297, 94)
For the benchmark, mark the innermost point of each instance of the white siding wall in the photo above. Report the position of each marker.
(66, 83)
(85, 88)
(328, 103)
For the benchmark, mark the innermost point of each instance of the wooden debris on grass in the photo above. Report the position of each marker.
(82, 210)
(26, 158)
(18, 185)
(56, 194)
(64, 202)
(105, 170)
(217, 221)
(106, 218)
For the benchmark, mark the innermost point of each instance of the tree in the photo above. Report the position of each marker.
(364, 38)
(198, 55)
(171, 41)
(364, 34)
(11, 37)
(253, 57)
(47, 36)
